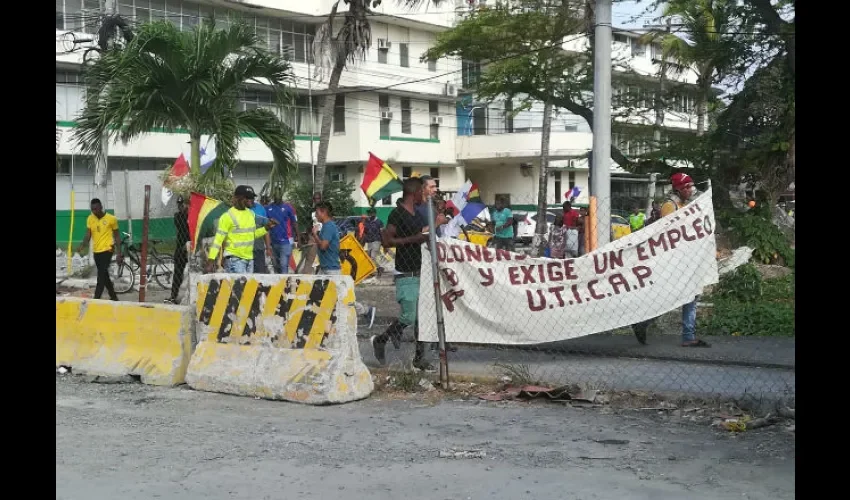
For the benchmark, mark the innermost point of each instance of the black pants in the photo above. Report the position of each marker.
(260, 261)
(503, 243)
(101, 261)
(180, 259)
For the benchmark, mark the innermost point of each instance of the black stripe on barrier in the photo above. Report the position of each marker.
(308, 317)
(286, 297)
(232, 306)
(256, 310)
(209, 302)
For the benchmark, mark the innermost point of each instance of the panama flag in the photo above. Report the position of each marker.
(466, 203)
(572, 193)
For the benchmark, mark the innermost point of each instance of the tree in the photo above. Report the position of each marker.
(333, 52)
(168, 79)
(506, 41)
(711, 27)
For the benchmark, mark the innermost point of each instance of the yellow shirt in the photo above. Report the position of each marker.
(102, 231)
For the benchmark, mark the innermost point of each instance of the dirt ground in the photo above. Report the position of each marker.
(133, 441)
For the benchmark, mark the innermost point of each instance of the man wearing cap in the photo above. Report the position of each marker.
(181, 227)
(237, 230)
(683, 192)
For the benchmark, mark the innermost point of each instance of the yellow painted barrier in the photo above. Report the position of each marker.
(102, 337)
(287, 337)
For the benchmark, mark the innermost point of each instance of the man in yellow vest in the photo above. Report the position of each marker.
(637, 219)
(237, 230)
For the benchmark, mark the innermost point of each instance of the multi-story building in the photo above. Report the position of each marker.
(404, 111)
(409, 122)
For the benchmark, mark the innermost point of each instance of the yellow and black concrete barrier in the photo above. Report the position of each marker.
(287, 337)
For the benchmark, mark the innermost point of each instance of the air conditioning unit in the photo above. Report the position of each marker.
(451, 90)
(383, 44)
(436, 120)
(386, 114)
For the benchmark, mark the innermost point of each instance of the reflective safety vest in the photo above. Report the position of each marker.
(637, 221)
(237, 230)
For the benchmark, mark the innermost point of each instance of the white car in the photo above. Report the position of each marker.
(527, 224)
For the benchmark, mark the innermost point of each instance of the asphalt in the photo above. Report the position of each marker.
(139, 442)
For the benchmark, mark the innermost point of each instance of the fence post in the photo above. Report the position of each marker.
(435, 273)
(592, 216)
(143, 272)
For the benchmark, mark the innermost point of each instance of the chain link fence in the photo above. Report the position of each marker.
(631, 316)
(615, 319)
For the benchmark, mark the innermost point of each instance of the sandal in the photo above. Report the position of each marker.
(697, 343)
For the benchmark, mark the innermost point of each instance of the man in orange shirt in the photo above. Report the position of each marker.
(102, 230)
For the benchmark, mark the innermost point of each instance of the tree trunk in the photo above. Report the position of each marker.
(540, 230)
(327, 120)
(702, 104)
(195, 152)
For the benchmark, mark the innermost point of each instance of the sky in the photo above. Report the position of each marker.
(623, 14)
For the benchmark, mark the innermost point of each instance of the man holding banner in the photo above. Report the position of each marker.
(405, 233)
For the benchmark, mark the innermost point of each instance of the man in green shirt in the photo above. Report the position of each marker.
(503, 224)
(637, 220)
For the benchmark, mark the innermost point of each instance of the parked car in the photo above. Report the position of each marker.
(527, 225)
(619, 227)
(347, 224)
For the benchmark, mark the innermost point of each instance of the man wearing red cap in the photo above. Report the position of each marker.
(683, 191)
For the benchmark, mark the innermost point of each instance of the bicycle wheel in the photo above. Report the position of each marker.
(163, 271)
(123, 278)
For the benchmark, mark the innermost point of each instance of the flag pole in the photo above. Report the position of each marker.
(441, 325)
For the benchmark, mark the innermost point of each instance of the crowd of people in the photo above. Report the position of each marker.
(249, 231)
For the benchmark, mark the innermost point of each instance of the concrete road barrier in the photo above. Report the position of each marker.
(290, 338)
(106, 338)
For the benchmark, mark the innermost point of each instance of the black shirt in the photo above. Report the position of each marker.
(408, 258)
(181, 225)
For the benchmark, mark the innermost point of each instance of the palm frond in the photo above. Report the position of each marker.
(278, 137)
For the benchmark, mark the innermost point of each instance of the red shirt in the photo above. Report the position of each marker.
(571, 218)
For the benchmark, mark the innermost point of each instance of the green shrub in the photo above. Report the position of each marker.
(300, 195)
(769, 244)
(745, 304)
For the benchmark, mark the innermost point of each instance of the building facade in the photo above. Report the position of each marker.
(416, 121)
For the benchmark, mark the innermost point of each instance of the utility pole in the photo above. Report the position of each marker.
(600, 187)
(100, 168)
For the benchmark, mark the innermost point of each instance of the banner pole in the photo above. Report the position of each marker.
(441, 325)
(71, 236)
(592, 215)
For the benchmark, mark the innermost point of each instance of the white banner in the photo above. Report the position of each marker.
(498, 297)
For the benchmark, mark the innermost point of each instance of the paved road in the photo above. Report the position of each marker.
(140, 442)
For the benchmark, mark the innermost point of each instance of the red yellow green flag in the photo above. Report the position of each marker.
(379, 180)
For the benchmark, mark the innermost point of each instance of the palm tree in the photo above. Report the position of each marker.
(709, 25)
(168, 79)
(333, 52)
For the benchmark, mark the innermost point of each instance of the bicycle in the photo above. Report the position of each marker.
(159, 267)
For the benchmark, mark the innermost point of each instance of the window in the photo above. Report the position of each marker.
(558, 186)
(655, 52)
(638, 49)
(435, 173)
(432, 66)
(300, 120)
(70, 95)
(337, 174)
(571, 180)
(621, 39)
(403, 50)
(509, 116)
(434, 110)
(382, 56)
(406, 126)
(470, 71)
(60, 14)
(63, 166)
(82, 16)
(339, 114)
(384, 103)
